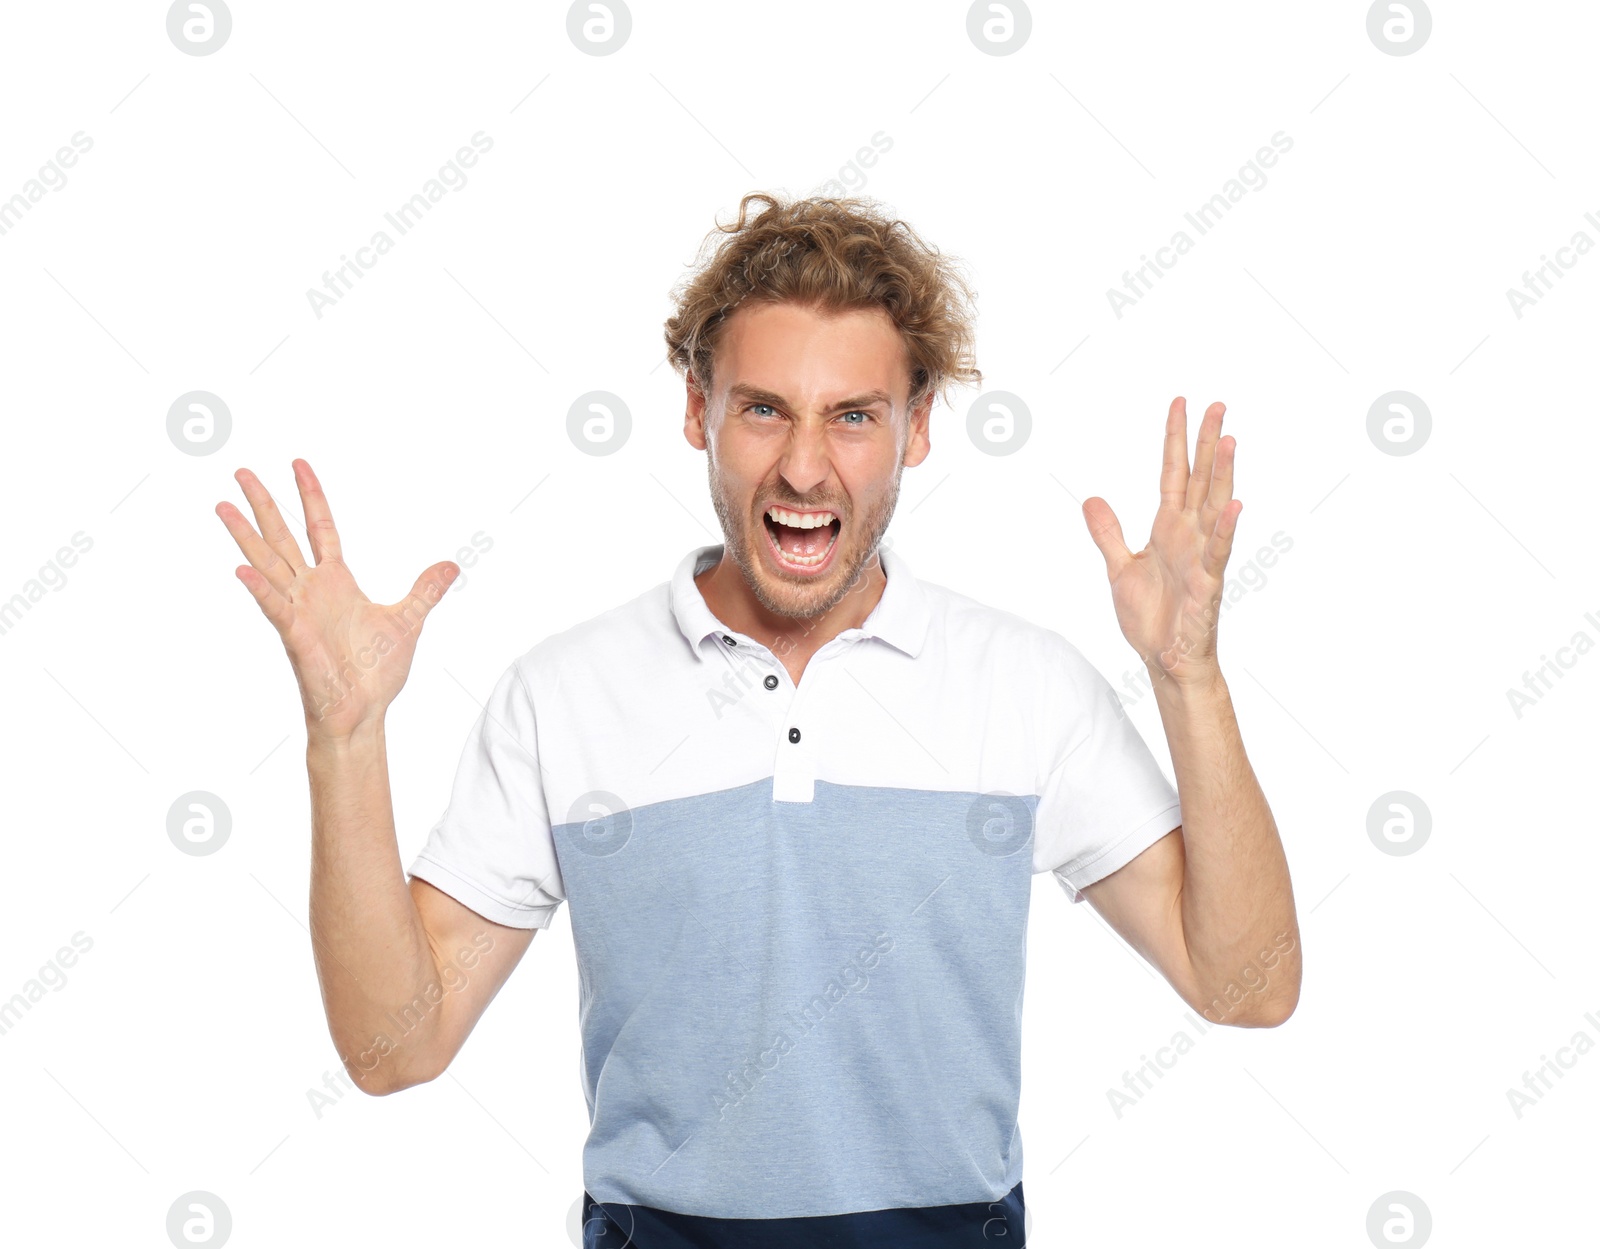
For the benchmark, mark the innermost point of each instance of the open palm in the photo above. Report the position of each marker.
(1168, 596)
(350, 655)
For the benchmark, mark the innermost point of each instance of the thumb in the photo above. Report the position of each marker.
(1107, 534)
(428, 589)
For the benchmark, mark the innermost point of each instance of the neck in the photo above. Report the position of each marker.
(732, 602)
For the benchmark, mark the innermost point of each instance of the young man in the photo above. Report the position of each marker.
(794, 796)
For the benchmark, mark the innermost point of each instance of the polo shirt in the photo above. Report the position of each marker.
(799, 911)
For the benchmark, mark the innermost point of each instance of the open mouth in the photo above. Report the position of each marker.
(802, 541)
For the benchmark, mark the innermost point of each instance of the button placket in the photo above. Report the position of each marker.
(794, 771)
(743, 660)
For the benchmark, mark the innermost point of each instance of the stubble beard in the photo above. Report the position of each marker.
(795, 600)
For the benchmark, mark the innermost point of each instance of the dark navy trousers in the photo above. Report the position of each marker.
(969, 1225)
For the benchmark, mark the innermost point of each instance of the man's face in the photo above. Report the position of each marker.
(808, 413)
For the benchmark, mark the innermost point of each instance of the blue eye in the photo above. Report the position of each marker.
(866, 416)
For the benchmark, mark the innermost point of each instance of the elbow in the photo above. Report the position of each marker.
(379, 1064)
(1275, 1016)
(1242, 1009)
(381, 1074)
(376, 1086)
(1279, 1005)
(1263, 1015)
(1263, 995)
(1274, 1011)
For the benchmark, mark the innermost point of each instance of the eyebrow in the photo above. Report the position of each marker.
(755, 394)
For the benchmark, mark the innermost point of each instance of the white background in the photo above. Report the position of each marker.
(1376, 655)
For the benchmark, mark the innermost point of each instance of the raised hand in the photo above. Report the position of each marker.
(1168, 596)
(350, 655)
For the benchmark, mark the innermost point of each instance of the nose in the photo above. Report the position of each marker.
(804, 464)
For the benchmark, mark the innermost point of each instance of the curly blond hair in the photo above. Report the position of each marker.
(834, 255)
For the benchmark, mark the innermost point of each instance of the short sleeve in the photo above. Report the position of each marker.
(1106, 800)
(492, 849)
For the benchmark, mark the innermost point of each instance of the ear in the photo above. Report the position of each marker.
(694, 413)
(917, 442)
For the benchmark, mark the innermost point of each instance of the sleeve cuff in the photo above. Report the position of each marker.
(473, 895)
(1119, 853)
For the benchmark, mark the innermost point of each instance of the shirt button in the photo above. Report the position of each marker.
(729, 640)
(771, 682)
(794, 735)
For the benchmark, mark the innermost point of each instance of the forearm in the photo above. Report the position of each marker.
(373, 957)
(1236, 904)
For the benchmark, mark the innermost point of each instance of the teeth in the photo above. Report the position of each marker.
(802, 559)
(790, 518)
(795, 520)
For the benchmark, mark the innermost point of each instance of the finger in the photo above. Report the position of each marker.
(273, 605)
(1222, 475)
(1107, 534)
(261, 556)
(1205, 445)
(269, 520)
(426, 592)
(1220, 544)
(1175, 456)
(320, 531)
